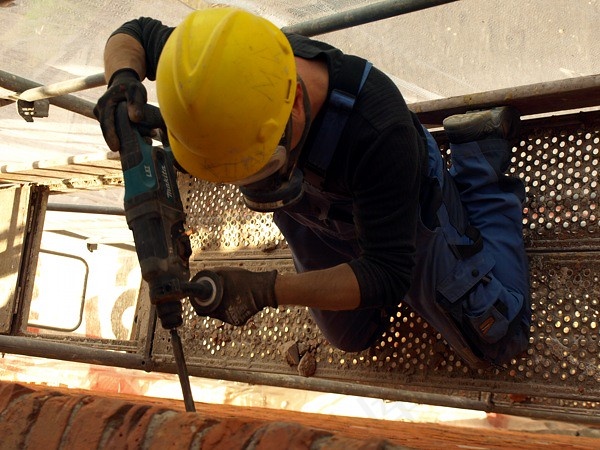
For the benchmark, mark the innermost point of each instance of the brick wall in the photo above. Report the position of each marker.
(41, 418)
(34, 418)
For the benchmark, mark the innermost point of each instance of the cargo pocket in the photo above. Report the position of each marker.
(488, 315)
(464, 276)
(491, 326)
(476, 316)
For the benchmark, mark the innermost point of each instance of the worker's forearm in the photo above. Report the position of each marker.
(333, 289)
(124, 52)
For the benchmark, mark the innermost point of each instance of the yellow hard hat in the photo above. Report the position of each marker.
(225, 83)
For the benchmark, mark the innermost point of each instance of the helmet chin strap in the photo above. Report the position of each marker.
(284, 187)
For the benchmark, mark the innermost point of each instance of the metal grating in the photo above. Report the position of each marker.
(562, 369)
(560, 169)
(221, 223)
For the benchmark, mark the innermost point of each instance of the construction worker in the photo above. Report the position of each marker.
(357, 185)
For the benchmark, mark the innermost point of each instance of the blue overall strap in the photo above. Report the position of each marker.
(353, 75)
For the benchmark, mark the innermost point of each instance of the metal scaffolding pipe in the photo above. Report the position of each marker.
(77, 105)
(86, 209)
(361, 16)
(63, 87)
(42, 348)
(385, 393)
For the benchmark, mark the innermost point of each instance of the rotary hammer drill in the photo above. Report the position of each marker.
(155, 215)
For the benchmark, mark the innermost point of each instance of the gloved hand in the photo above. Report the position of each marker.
(244, 294)
(125, 85)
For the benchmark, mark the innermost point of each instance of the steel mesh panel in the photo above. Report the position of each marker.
(562, 365)
(566, 314)
(220, 222)
(560, 170)
(564, 348)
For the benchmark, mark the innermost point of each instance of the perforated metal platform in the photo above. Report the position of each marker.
(561, 371)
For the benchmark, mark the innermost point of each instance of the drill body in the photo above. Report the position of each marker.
(155, 215)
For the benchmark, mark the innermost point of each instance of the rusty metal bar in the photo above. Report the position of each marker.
(361, 16)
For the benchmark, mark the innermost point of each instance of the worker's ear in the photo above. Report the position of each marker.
(298, 107)
(300, 115)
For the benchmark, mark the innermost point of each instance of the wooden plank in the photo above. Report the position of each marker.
(13, 223)
(64, 171)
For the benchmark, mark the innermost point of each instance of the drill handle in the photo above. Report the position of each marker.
(130, 134)
(153, 118)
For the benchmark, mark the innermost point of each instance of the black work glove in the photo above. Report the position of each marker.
(125, 85)
(244, 294)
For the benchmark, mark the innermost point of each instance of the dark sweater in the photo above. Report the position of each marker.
(378, 168)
